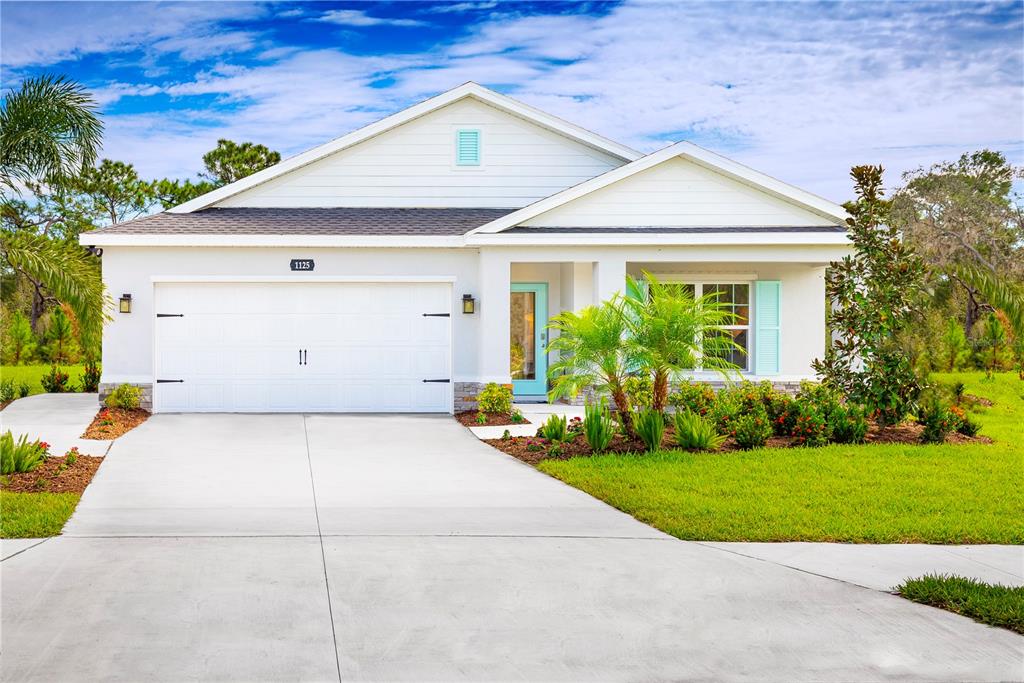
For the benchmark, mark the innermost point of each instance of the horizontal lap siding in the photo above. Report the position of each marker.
(677, 193)
(414, 165)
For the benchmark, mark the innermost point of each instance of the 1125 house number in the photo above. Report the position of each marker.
(302, 264)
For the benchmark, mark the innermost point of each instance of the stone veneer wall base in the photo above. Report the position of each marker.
(145, 401)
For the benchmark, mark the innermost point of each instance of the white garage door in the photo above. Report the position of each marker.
(303, 347)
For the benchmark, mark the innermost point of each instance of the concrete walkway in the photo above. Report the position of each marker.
(57, 419)
(883, 567)
(235, 547)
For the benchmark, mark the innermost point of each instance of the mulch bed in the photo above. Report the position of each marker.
(122, 420)
(576, 447)
(468, 419)
(49, 478)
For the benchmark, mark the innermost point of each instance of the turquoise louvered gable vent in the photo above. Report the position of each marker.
(467, 147)
(767, 325)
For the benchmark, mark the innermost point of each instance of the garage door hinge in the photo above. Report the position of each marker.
(170, 381)
(446, 381)
(437, 315)
(170, 315)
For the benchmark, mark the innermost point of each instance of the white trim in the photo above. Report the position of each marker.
(469, 89)
(126, 379)
(383, 279)
(693, 278)
(829, 211)
(655, 239)
(100, 239)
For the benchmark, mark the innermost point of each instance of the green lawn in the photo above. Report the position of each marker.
(33, 373)
(885, 493)
(34, 515)
(994, 605)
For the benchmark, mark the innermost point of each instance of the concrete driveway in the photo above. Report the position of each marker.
(284, 547)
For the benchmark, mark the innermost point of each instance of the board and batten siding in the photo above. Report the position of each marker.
(678, 193)
(415, 165)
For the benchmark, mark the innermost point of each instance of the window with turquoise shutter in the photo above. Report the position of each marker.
(467, 147)
(767, 324)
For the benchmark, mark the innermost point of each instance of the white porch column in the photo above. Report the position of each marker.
(581, 285)
(609, 278)
(495, 276)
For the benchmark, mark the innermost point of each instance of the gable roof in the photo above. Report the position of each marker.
(830, 212)
(465, 90)
(305, 221)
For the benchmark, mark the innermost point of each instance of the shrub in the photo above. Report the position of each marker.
(20, 455)
(849, 423)
(90, 377)
(695, 432)
(517, 416)
(575, 426)
(55, 381)
(752, 430)
(555, 449)
(534, 446)
(640, 390)
(810, 427)
(555, 428)
(71, 457)
(725, 412)
(481, 418)
(598, 426)
(698, 397)
(968, 427)
(937, 421)
(782, 411)
(6, 390)
(822, 396)
(495, 399)
(125, 396)
(650, 427)
(24, 389)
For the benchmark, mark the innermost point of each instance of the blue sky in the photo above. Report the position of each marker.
(799, 90)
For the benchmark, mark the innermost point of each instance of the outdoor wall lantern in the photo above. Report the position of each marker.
(126, 303)
(468, 304)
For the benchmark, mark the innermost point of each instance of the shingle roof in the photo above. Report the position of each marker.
(328, 221)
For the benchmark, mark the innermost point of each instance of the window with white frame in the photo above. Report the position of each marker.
(735, 297)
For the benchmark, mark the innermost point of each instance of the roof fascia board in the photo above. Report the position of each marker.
(100, 239)
(657, 239)
(397, 119)
(714, 162)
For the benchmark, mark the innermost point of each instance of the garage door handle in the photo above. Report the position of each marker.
(445, 381)
(170, 381)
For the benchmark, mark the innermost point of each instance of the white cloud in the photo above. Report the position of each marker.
(461, 7)
(355, 17)
(45, 33)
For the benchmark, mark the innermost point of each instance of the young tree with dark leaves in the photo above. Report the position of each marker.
(227, 162)
(873, 293)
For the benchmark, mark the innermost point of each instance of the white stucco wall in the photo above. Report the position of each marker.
(414, 165)
(480, 340)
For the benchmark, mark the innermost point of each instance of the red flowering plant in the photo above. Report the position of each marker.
(575, 425)
(535, 445)
(810, 427)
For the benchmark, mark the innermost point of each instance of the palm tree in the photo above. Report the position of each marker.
(591, 354)
(49, 131)
(670, 331)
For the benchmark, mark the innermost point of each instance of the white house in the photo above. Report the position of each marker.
(404, 265)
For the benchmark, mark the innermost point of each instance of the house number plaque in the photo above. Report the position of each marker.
(301, 264)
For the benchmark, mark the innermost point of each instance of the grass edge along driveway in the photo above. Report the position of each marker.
(992, 604)
(35, 515)
(877, 493)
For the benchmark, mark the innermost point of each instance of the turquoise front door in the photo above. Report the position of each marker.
(528, 354)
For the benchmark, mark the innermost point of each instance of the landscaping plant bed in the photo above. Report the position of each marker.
(534, 449)
(51, 477)
(468, 419)
(111, 423)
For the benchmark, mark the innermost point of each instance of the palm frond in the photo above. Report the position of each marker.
(998, 291)
(49, 131)
(66, 271)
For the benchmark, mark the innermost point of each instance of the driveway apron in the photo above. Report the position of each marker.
(199, 553)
